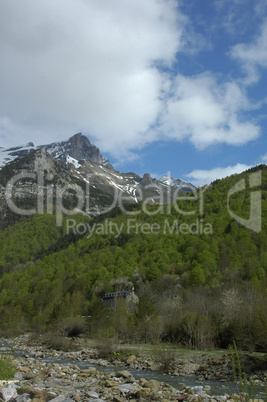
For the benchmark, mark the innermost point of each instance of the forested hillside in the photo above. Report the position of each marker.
(199, 274)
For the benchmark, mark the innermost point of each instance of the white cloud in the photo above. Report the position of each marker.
(91, 66)
(77, 65)
(202, 177)
(263, 159)
(207, 112)
(252, 55)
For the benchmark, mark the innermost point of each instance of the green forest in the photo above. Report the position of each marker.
(200, 275)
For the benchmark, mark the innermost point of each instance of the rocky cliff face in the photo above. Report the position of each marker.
(78, 148)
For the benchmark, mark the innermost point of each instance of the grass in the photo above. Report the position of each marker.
(7, 368)
(249, 389)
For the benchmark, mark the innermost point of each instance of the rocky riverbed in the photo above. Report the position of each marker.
(38, 379)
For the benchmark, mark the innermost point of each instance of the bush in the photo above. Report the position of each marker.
(7, 368)
(248, 388)
(164, 358)
(106, 349)
(54, 341)
(72, 326)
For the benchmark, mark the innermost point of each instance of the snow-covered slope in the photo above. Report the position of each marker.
(177, 183)
(9, 154)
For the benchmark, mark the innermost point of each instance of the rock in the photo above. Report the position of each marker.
(126, 388)
(142, 381)
(25, 369)
(88, 372)
(39, 396)
(8, 393)
(61, 398)
(143, 393)
(153, 384)
(110, 384)
(124, 374)
(198, 389)
(131, 359)
(189, 391)
(257, 400)
(117, 399)
(23, 398)
(181, 397)
(92, 394)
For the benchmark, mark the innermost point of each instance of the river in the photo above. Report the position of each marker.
(178, 382)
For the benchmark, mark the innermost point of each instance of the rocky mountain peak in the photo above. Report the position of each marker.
(77, 147)
(146, 180)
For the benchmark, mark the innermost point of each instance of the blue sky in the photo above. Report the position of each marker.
(161, 86)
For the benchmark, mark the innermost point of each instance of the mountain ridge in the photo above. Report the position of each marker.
(86, 163)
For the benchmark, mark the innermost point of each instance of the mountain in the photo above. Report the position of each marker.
(36, 183)
(77, 160)
(9, 154)
(199, 270)
(177, 183)
(77, 150)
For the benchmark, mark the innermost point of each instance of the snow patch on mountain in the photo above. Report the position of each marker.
(176, 183)
(9, 154)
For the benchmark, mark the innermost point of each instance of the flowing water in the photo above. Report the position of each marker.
(216, 387)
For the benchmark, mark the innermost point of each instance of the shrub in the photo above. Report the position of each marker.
(7, 368)
(107, 349)
(55, 341)
(72, 326)
(164, 358)
(249, 390)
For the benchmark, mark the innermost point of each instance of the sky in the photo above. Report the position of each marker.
(174, 87)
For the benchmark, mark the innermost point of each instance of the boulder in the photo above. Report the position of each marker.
(110, 383)
(124, 374)
(8, 393)
(37, 395)
(153, 384)
(131, 359)
(22, 398)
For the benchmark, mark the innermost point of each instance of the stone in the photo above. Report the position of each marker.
(257, 400)
(142, 381)
(131, 359)
(23, 398)
(8, 393)
(110, 383)
(198, 389)
(124, 374)
(117, 399)
(126, 388)
(90, 371)
(39, 396)
(25, 369)
(144, 393)
(153, 384)
(93, 394)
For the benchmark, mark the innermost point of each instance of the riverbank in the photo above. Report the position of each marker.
(41, 376)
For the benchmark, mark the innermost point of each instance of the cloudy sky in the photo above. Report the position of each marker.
(161, 86)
